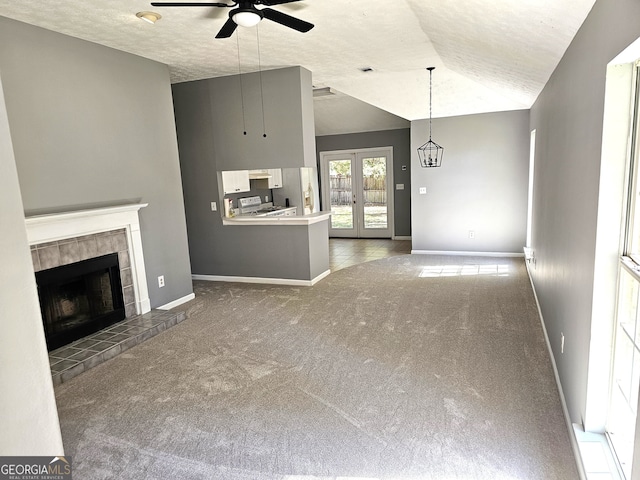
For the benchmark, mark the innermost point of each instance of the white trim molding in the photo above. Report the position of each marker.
(58, 226)
(269, 281)
(177, 302)
(563, 402)
(466, 254)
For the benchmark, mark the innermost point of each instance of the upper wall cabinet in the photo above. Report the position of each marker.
(275, 179)
(266, 178)
(278, 104)
(235, 181)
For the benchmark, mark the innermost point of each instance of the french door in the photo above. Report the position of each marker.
(358, 186)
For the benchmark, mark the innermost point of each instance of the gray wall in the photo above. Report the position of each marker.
(318, 235)
(341, 114)
(249, 251)
(481, 185)
(92, 125)
(27, 406)
(568, 118)
(400, 141)
(288, 119)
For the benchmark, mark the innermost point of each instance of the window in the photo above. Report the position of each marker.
(626, 362)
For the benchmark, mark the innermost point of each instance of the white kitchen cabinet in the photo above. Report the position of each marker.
(275, 180)
(235, 181)
(291, 212)
(266, 178)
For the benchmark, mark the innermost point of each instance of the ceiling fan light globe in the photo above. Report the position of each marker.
(246, 19)
(150, 17)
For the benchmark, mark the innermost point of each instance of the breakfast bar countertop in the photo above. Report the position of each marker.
(283, 220)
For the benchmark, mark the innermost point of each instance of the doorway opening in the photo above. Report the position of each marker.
(532, 159)
(357, 186)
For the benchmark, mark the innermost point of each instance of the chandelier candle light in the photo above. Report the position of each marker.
(430, 153)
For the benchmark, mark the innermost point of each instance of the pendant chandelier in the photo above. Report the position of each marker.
(430, 153)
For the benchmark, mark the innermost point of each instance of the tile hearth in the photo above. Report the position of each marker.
(77, 357)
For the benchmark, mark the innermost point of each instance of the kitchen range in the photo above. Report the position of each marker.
(253, 206)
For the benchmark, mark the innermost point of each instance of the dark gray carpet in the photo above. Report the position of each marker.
(391, 369)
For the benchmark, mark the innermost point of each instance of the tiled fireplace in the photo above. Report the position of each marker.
(84, 284)
(71, 239)
(72, 250)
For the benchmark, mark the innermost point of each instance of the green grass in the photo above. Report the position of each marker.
(375, 216)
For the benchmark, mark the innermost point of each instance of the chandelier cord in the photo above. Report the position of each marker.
(430, 77)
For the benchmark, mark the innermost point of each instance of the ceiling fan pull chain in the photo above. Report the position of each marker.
(264, 130)
(244, 124)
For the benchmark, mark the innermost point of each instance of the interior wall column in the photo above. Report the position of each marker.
(28, 412)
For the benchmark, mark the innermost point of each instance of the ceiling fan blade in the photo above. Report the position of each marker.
(227, 29)
(286, 20)
(190, 4)
(271, 3)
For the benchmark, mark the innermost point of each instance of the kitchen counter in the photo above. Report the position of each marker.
(282, 250)
(282, 220)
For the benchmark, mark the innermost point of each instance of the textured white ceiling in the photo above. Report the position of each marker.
(490, 55)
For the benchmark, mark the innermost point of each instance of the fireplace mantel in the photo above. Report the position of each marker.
(59, 226)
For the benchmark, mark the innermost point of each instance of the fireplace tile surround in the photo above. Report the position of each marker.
(70, 250)
(67, 237)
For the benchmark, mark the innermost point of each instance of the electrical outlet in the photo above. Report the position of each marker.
(561, 342)
(423, 190)
(161, 281)
(266, 198)
(214, 206)
(472, 234)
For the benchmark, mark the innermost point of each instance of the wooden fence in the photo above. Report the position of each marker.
(375, 192)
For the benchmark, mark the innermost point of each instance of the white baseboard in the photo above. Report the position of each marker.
(466, 254)
(401, 237)
(178, 302)
(270, 281)
(572, 434)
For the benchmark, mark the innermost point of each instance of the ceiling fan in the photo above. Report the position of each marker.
(246, 14)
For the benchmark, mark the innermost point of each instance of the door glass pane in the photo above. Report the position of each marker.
(626, 373)
(374, 183)
(341, 194)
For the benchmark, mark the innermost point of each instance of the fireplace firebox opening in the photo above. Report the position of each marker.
(79, 299)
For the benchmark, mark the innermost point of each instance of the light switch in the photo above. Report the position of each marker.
(423, 190)
(214, 206)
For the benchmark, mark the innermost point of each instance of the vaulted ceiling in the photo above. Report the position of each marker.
(490, 55)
